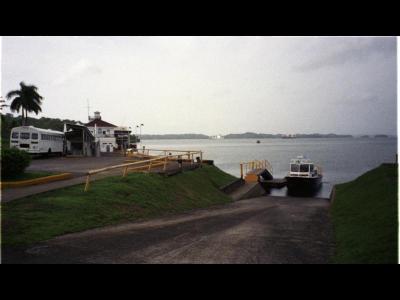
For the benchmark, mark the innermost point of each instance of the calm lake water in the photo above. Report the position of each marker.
(341, 159)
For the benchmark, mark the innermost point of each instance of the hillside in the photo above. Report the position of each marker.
(365, 219)
(111, 200)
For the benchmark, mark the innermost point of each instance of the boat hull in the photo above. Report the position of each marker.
(303, 184)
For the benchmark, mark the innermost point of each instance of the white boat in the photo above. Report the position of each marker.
(304, 175)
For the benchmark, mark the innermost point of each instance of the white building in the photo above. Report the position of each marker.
(110, 136)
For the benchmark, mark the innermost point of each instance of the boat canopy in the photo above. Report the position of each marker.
(300, 160)
(302, 166)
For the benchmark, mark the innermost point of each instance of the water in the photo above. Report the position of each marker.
(341, 159)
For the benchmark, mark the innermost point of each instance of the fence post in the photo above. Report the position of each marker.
(201, 158)
(165, 163)
(241, 170)
(87, 183)
(150, 166)
(125, 171)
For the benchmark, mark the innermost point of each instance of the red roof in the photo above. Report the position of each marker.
(99, 123)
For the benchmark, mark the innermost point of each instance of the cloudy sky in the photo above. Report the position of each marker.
(212, 85)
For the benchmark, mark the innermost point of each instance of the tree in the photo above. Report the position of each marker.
(27, 99)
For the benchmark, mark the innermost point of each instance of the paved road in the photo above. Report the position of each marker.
(258, 230)
(75, 165)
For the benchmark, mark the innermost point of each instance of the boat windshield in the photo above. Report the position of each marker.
(304, 168)
(294, 168)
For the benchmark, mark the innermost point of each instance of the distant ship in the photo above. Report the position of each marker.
(289, 136)
(217, 137)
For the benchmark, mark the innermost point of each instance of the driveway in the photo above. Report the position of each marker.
(258, 230)
(75, 165)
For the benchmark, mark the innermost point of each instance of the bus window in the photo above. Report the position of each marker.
(34, 136)
(15, 135)
(25, 135)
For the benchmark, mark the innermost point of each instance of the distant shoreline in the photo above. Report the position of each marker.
(260, 136)
(9, 121)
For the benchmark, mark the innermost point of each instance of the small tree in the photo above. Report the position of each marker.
(13, 162)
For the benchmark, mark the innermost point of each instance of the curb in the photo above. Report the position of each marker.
(232, 186)
(41, 180)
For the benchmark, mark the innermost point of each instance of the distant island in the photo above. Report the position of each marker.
(252, 135)
(246, 135)
(181, 136)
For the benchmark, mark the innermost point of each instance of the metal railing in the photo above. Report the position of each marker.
(189, 154)
(246, 167)
(147, 164)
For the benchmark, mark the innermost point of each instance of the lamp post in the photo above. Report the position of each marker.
(141, 131)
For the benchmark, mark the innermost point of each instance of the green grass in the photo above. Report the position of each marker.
(110, 200)
(365, 218)
(5, 144)
(27, 176)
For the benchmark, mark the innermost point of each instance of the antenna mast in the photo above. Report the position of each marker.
(88, 110)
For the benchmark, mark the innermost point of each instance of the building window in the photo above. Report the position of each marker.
(34, 136)
(99, 131)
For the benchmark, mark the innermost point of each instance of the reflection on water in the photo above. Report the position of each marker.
(342, 159)
(323, 191)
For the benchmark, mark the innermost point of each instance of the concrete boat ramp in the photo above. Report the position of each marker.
(266, 230)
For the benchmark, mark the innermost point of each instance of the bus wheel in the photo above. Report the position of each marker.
(49, 152)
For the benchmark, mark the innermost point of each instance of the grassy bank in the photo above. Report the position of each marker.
(365, 220)
(110, 201)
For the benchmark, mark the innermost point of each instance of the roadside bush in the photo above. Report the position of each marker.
(13, 162)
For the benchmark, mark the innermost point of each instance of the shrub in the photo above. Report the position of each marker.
(13, 162)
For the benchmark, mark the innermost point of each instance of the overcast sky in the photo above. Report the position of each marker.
(212, 85)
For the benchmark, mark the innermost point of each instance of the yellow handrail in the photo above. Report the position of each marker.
(145, 164)
(246, 167)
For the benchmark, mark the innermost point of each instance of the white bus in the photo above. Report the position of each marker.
(37, 140)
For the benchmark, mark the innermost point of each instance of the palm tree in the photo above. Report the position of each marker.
(27, 99)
